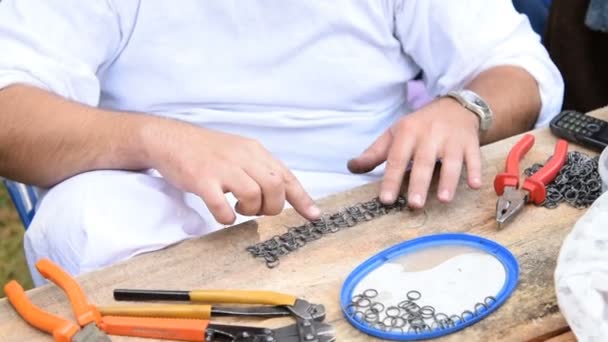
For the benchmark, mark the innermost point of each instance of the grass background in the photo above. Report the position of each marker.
(12, 259)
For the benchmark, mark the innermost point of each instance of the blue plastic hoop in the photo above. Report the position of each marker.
(499, 252)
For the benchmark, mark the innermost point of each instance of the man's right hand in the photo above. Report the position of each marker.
(76, 138)
(210, 163)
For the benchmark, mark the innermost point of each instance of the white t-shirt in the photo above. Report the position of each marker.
(314, 81)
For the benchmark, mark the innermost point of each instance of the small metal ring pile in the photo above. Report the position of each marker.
(578, 183)
(297, 237)
(408, 316)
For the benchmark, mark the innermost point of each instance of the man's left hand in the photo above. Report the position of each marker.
(442, 130)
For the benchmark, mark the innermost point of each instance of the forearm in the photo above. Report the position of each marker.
(45, 139)
(514, 97)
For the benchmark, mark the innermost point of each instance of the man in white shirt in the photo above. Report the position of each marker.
(139, 116)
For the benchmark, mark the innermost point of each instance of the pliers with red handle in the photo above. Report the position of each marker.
(512, 198)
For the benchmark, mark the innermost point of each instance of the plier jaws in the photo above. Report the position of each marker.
(510, 203)
(306, 310)
(513, 198)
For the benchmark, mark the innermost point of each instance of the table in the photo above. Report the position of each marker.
(317, 271)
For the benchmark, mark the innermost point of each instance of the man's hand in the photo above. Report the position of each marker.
(441, 130)
(210, 163)
(445, 130)
(80, 138)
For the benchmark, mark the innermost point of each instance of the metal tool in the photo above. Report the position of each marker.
(280, 303)
(197, 311)
(308, 327)
(203, 330)
(512, 198)
(303, 331)
(87, 329)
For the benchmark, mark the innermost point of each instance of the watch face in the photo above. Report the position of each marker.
(474, 99)
(475, 104)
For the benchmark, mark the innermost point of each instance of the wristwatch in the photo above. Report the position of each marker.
(473, 102)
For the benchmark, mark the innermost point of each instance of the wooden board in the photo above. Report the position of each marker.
(565, 337)
(317, 271)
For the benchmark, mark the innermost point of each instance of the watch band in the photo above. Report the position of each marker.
(476, 104)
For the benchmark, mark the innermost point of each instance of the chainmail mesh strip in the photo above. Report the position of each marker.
(578, 183)
(297, 237)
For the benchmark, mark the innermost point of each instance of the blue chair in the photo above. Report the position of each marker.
(537, 12)
(24, 198)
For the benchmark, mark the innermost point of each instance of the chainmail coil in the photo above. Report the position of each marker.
(297, 237)
(578, 183)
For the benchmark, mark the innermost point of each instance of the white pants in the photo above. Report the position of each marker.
(98, 218)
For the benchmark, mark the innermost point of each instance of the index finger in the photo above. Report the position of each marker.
(298, 197)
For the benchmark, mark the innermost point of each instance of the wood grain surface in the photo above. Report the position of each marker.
(317, 271)
(565, 337)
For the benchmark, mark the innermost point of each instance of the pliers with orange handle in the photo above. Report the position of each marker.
(87, 329)
(511, 198)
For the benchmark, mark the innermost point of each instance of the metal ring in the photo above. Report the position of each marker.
(402, 304)
(466, 313)
(392, 309)
(436, 326)
(427, 311)
(551, 205)
(593, 185)
(371, 316)
(414, 295)
(571, 194)
(412, 308)
(399, 320)
(480, 305)
(368, 216)
(438, 317)
(300, 241)
(356, 298)
(416, 321)
(490, 299)
(457, 317)
(425, 327)
(419, 329)
(410, 317)
(377, 306)
(272, 263)
(393, 322)
(370, 293)
(366, 302)
(445, 323)
(389, 322)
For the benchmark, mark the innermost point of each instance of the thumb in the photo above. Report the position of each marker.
(373, 156)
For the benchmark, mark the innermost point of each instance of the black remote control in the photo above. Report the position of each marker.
(582, 129)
